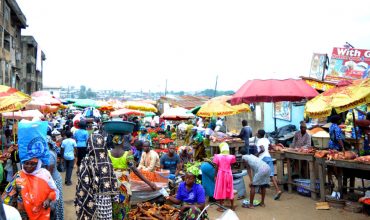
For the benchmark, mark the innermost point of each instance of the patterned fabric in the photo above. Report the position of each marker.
(96, 182)
(59, 204)
(301, 140)
(335, 135)
(122, 207)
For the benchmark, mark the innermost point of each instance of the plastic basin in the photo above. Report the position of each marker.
(118, 127)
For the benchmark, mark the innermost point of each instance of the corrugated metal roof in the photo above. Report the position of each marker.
(186, 101)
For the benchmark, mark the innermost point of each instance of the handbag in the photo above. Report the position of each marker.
(60, 167)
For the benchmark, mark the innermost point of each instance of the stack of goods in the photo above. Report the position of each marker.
(152, 211)
(159, 178)
(277, 148)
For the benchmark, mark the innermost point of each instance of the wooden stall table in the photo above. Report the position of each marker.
(233, 145)
(356, 170)
(289, 155)
(279, 156)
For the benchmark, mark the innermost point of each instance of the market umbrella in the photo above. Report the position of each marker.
(37, 105)
(12, 99)
(140, 106)
(83, 103)
(104, 106)
(177, 114)
(149, 114)
(19, 115)
(47, 100)
(340, 98)
(219, 106)
(273, 90)
(124, 111)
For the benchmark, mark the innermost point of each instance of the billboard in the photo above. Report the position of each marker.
(318, 65)
(348, 63)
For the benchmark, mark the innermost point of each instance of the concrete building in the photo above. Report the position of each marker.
(32, 65)
(12, 21)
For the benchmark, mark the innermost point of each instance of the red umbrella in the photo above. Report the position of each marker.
(273, 90)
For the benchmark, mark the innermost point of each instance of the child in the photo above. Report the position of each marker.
(224, 187)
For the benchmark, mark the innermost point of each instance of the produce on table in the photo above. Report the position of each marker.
(309, 150)
(321, 153)
(151, 176)
(335, 155)
(277, 147)
(363, 159)
(146, 211)
(166, 141)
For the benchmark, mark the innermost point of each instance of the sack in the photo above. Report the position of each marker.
(60, 167)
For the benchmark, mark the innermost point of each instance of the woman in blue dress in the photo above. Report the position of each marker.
(208, 178)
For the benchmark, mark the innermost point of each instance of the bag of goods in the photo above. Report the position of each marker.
(159, 178)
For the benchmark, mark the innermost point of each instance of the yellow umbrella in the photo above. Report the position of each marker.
(219, 106)
(341, 98)
(140, 106)
(12, 99)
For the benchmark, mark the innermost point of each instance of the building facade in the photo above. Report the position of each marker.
(12, 21)
(32, 65)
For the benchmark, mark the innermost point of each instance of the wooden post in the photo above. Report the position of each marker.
(280, 170)
(313, 180)
(289, 166)
(322, 178)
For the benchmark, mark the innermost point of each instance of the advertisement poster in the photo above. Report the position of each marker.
(348, 63)
(318, 65)
(283, 111)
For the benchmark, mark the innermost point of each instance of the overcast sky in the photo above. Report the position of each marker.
(134, 45)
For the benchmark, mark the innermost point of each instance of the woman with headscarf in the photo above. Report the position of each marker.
(191, 197)
(122, 161)
(198, 144)
(58, 206)
(31, 191)
(224, 186)
(96, 183)
(32, 188)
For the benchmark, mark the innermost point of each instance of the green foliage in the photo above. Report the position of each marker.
(211, 92)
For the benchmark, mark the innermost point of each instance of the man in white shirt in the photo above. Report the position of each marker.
(149, 160)
(263, 153)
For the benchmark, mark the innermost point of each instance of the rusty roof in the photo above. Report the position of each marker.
(186, 101)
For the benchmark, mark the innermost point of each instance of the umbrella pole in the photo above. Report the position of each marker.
(354, 125)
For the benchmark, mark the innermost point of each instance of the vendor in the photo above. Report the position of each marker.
(198, 144)
(122, 159)
(336, 141)
(301, 137)
(149, 160)
(186, 155)
(145, 136)
(171, 161)
(245, 134)
(191, 197)
(365, 127)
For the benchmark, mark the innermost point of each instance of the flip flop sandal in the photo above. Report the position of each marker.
(277, 196)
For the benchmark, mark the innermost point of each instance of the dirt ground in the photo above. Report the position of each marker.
(290, 206)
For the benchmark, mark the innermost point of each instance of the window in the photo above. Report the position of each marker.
(6, 14)
(29, 67)
(7, 38)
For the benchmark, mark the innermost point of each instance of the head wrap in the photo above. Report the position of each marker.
(117, 139)
(224, 148)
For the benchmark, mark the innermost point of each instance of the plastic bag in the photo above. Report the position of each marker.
(32, 142)
(229, 215)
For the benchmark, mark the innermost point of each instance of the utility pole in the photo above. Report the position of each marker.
(214, 95)
(165, 90)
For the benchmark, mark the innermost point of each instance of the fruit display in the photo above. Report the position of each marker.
(146, 211)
